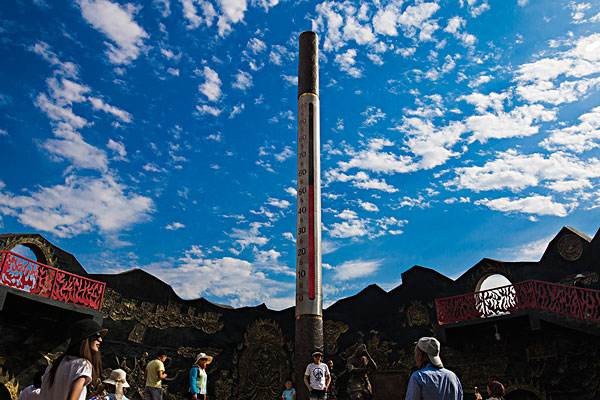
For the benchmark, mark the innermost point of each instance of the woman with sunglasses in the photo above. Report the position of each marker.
(67, 378)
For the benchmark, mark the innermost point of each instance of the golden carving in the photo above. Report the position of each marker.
(37, 244)
(417, 314)
(158, 316)
(191, 352)
(223, 385)
(570, 247)
(332, 330)
(10, 383)
(380, 351)
(263, 363)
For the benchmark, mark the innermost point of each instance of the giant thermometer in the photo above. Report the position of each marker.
(309, 297)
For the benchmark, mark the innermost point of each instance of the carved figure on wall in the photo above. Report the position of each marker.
(10, 383)
(263, 363)
(570, 247)
(380, 350)
(223, 385)
(332, 330)
(118, 308)
(358, 367)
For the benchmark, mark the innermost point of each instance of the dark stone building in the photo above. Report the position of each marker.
(539, 336)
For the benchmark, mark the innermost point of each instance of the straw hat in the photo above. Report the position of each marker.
(117, 376)
(203, 356)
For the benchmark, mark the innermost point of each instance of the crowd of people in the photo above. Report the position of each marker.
(70, 375)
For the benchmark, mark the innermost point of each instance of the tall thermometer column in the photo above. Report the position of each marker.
(309, 296)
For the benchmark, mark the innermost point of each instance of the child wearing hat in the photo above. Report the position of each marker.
(198, 378)
(70, 374)
(115, 386)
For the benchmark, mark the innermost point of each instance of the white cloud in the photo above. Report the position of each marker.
(236, 110)
(531, 251)
(117, 23)
(291, 191)
(232, 12)
(279, 54)
(360, 180)
(211, 87)
(265, 4)
(256, 45)
(455, 27)
(535, 204)
(235, 281)
(286, 153)
(99, 104)
(289, 236)
(347, 62)
(431, 144)
(578, 138)
(576, 68)
(80, 205)
(514, 171)
(278, 203)
(216, 137)
(175, 225)
(290, 79)
(118, 148)
(71, 146)
(243, 80)
(361, 34)
(68, 69)
(519, 122)
(349, 229)
(190, 12)
(356, 269)
(250, 236)
(372, 115)
(210, 110)
(368, 206)
(482, 102)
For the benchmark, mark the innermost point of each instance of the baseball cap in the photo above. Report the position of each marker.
(431, 347)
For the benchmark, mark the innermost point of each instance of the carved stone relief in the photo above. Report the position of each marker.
(570, 247)
(332, 330)
(263, 363)
(159, 316)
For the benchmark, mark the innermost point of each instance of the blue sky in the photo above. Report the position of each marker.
(162, 135)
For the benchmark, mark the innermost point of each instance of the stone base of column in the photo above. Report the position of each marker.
(309, 336)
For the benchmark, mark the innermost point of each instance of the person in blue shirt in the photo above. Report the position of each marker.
(289, 393)
(432, 381)
(198, 378)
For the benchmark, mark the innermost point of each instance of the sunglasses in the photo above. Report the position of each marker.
(96, 336)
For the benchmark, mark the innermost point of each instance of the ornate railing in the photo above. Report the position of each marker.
(567, 301)
(30, 276)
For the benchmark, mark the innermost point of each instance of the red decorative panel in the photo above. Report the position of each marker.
(21, 273)
(567, 301)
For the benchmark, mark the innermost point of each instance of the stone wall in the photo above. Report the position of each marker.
(537, 356)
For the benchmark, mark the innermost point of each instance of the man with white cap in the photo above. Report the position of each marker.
(432, 381)
(317, 377)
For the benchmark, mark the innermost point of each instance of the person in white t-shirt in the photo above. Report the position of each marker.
(317, 377)
(32, 392)
(68, 376)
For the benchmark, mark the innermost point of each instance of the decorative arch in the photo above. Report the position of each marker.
(494, 296)
(43, 250)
